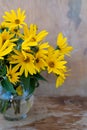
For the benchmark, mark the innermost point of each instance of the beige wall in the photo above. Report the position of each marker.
(69, 17)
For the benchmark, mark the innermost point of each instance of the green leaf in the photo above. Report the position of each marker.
(57, 48)
(1, 31)
(33, 84)
(3, 105)
(8, 86)
(3, 70)
(20, 41)
(39, 77)
(26, 81)
(29, 83)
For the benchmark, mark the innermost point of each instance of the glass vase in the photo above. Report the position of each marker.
(15, 107)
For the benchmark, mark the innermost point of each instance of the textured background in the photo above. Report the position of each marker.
(69, 17)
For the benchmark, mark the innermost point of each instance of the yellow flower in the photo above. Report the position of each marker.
(6, 35)
(14, 31)
(55, 62)
(54, 65)
(2, 26)
(27, 44)
(5, 48)
(6, 43)
(40, 63)
(19, 90)
(41, 48)
(61, 78)
(31, 34)
(12, 74)
(24, 61)
(13, 19)
(30, 31)
(31, 38)
(63, 46)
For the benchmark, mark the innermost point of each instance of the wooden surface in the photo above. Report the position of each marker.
(69, 17)
(53, 113)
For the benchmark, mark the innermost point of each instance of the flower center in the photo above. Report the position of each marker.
(51, 64)
(33, 39)
(10, 76)
(27, 60)
(37, 60)
(17, 21)
(3, 40)
(15, 30)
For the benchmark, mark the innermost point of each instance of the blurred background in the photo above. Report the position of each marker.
(70, 18)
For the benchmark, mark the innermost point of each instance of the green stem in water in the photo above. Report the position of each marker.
(3, 106)
(16, 106)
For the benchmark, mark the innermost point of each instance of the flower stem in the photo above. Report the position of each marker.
(16, 105)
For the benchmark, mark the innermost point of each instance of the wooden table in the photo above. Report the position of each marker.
(52, 113)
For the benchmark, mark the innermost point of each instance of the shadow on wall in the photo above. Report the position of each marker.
(74, 11)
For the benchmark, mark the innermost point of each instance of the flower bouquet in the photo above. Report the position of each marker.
(24, 54)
